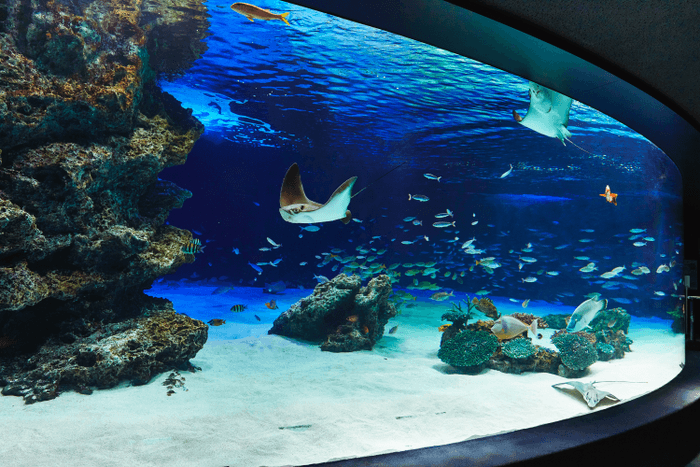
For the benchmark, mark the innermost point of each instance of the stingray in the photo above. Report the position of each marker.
(296, 208)
(548, 114)
(590, 393)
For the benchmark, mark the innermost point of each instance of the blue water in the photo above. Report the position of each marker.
(343, 100)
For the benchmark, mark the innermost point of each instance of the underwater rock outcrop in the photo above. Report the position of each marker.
(88, 353)
(84, 132)
(341, 313)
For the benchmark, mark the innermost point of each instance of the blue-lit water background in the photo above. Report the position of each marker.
(343, 99)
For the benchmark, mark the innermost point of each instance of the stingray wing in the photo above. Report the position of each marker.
(548, 113)
(336, 206)
(292, 190)
(562, 106)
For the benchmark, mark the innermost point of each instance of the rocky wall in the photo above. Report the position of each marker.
(84, 133)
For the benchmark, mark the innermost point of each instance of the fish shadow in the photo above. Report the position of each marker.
(446, 369)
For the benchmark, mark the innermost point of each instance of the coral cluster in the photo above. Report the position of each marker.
(468, 349)
(612, 319)
(519, 349)
(341, 313)
(84, 132)
(577, 353)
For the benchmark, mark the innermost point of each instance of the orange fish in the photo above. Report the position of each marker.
(609, 196)
(271, 305)
(353, 318)
(365, 330)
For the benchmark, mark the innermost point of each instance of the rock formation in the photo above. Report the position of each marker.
(341, 313)
(84, 132)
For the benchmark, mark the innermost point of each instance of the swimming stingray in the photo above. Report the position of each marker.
(548, 114)
(590, 393)
(296, 208)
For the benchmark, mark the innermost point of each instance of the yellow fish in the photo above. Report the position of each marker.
(444, 327)
(508, 327)
(253, 12)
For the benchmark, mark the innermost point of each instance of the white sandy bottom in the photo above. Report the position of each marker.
(397, 397)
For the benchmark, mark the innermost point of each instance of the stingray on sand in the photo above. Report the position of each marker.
(590, 393)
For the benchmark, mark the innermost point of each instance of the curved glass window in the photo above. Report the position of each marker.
(462, 203)
(393, 247)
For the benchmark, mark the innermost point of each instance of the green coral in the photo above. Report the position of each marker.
(519, 349)
(605, 351)
(612, 319)
(457, 316)
(556, 321)
(468, 348)
(576, 351)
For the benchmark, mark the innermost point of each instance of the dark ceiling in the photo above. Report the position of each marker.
(654, 44)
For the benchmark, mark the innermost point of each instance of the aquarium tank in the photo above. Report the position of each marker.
(264, 235)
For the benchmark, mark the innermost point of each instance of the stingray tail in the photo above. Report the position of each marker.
(376, 180)
(579, 147)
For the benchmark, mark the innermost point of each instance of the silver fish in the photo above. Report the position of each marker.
(584, 314)
(507, 172)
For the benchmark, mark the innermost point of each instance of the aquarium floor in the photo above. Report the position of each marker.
(270, 401)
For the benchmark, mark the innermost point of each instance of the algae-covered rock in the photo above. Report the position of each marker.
(468, 349)
(557, 321)
(341, 313)
(89, 352)
(612, 319)
(84, 133)
(519, 349)
(605, 351)
(577, 353)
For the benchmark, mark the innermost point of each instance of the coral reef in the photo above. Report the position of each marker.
(577, 353)
(458, 318)
(556, 321)
(611, 319)
(543, 360)
(468, 350)
(84, 132)
(605, 351)
(341, 313)
(519, 349)
(618, 340)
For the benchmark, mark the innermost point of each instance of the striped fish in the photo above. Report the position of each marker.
(238, 308)
(192, 247)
